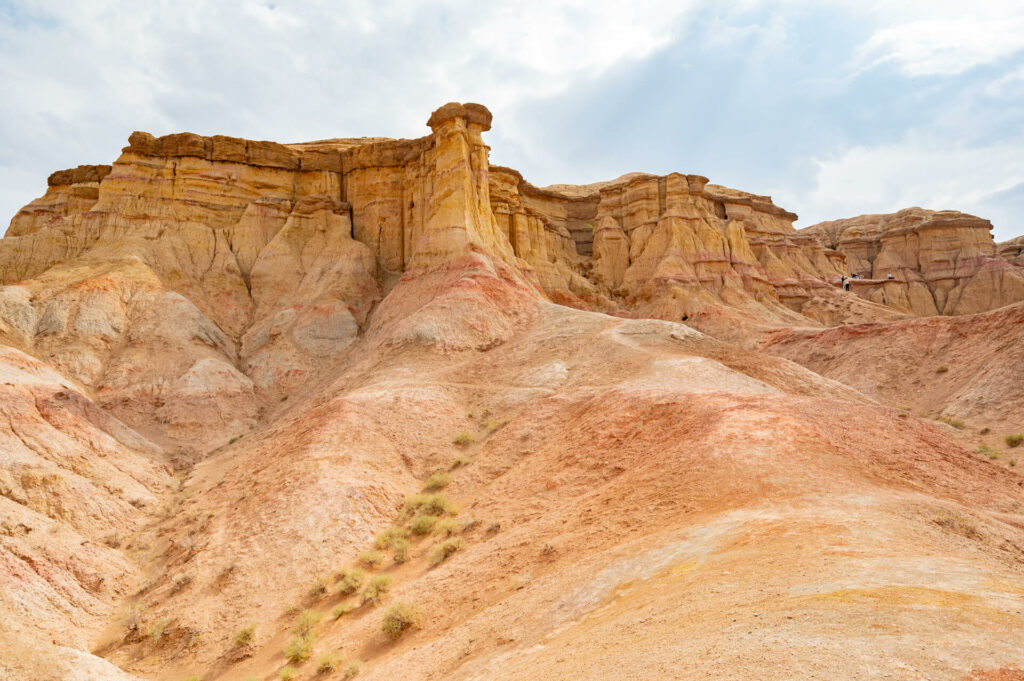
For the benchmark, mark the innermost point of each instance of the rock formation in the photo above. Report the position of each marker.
(924, 262)
(226, 364)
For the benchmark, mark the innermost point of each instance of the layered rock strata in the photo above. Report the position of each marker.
(924, 262)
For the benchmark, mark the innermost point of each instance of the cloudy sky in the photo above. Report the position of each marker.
(834, 108)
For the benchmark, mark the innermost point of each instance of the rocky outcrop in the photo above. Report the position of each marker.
(924, 262)
(1012, 251)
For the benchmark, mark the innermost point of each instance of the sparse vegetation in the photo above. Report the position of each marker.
(429, 504)
(320, 587)
(306, 621)
(234, 439)
(376, 588)
(401, 617)
(371, 558)
(299, 648)
(464, 439)
(400, 550)
(984, 449)
(288, 673)
(443, 550)
(388, 537)
(1012, 462)
(423, 524)
(156, 630)
(941, 369)
(343, 609)
(245, 635)
(194, 677)
(327, 663)
(950, 421)
(349, 580)
(1013, 440)
(436, 481)
(352, 669)
(448, 527)
(993, 455)
(957, 522)
(180, 582)
(985, 431)
(459, 463)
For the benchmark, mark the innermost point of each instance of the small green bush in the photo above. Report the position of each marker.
(343, 609)
(401, 617)
(950, 421)
(1012, 462)
(371, 558)
(436, 481)
(423, 524)
(327, 663)
(349, 580)
(288, 673)
(429, 504)
(400, 550)
(376, 588)
(448, 527)
(352, 669)
(1014, 440)
(306, 621)
(299, 648)
(320, 587)
(464, 439)
(443, 550)
(245, 635)
(386, 538)
(459, 463)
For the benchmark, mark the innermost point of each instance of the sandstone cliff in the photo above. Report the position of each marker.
(941, 262)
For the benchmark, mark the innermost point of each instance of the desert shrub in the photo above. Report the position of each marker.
(180, 582)
(985, 431)
(376, 588)
(441, 551)
(1014, 440)
(941, 370)
(400, 550)
(343, 609)
(423, 524)
(956, 522)
(194, 677)
(993, 455)
(459, 463)
(950, 421)
(327, 663)
(245, 635)
(371, 558)
(387, 538)
(984, 449)
(448, 526)
(306, 621)
(320, 587)
(464, 439)
(299, 648)
(436, 481)
(401, 617)
(1012, 462)
(288, 673)
(156, 630)
(429, 504)
(349, 580)
(352, 669)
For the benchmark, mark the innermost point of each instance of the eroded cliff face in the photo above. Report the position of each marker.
(197, 280)
(940, 262)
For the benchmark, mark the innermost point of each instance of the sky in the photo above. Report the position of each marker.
(833, 108)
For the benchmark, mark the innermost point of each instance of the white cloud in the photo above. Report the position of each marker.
(914, 172)
(944, 47)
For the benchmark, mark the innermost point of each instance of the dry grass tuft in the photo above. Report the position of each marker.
(299, 648)
(306, 621)
(376, 588)
(245, 635)
(371, 558)
(443, 550)
(1013, 440)
(349, 580)
(401, 617)
(436, 481)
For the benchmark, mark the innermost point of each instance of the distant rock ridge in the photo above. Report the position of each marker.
(925, 262)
